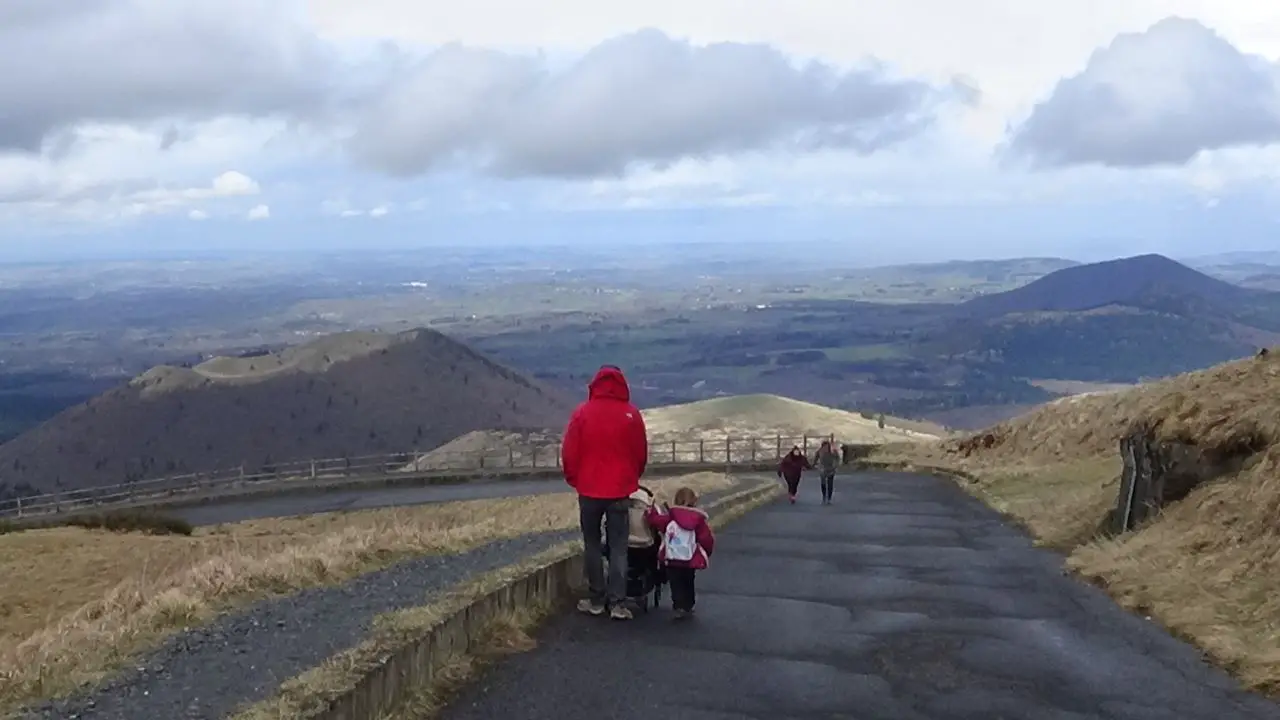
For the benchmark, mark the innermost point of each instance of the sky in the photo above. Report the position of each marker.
(916, 130)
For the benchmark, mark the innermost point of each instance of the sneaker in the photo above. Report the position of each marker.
(619, 612)
(590, 607)
(681, 615)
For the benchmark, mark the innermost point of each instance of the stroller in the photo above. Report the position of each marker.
(645, 576)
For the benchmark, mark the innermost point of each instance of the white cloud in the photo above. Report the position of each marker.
(259, 212)
(125, 61)
(640, 98)
(1160, 97)
(234, 184)
(198, 215)
(380, 211)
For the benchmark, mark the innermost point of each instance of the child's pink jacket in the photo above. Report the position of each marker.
(689, 518)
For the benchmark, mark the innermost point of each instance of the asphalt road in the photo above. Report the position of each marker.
(333, 501)
(905, 600)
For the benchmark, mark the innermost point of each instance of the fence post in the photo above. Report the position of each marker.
(728, 449)
(673, 451)
(19, 506)
(242, 473)
(511, 456)
(753, 449)
(533, 457)
(806, 445)
(777, 455)
(313, 469)
(702, 451)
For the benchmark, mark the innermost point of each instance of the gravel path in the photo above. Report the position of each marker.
(206, 673)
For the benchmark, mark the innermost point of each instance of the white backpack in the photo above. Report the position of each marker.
(680, 543)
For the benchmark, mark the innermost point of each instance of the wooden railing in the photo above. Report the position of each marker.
(499, 460)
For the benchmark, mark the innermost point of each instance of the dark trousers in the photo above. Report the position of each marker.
(683, 595)
(792, 485)
(828, 484)
(591, 511)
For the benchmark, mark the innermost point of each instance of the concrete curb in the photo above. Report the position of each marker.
(415, 664)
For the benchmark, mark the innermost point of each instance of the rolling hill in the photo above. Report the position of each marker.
(1151, 282)
(741, 417)
(341, 395)
(1118, 321)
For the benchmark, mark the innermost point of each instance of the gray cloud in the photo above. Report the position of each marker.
(66, 63)
(641, 97)
(1154, 98)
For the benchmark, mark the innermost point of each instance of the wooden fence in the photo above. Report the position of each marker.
(492, 461)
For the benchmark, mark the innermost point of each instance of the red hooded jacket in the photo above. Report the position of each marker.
(605, 447)
(689, 518)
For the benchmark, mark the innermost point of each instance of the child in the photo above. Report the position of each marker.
(687, 544)
(790, 469)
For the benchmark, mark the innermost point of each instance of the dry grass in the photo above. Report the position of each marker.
(1205, 567)
(304, 695)
(78, 603)
(764, 416)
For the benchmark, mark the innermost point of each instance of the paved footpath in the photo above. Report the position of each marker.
(906, 600)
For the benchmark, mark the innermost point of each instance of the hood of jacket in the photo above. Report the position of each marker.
(609, 382)
(688, 517)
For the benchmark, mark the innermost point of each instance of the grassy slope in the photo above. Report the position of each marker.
(1206, 567)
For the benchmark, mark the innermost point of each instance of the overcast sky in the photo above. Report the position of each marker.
(905, 130)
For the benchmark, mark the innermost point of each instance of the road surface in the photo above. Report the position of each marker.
(906, 600)
(252, 508)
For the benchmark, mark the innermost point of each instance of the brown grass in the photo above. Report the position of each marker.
(77, 604)
(1206, 566)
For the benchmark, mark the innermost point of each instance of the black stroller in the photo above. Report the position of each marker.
(645, 576)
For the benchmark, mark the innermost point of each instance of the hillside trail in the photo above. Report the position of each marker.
(905, 600)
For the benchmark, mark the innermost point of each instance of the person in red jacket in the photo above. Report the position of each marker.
(687, 545)
(603, 456)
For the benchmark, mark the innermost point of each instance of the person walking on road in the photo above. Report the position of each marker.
(791, 468)
(603, 456)
(687, 545)
(827, 459)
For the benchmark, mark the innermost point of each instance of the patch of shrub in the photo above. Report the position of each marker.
(137, 521)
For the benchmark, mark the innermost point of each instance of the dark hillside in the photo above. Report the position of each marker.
(340, 395)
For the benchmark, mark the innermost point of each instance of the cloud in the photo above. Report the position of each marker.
(642, 98)
(131, 61)
(1159, 97)
(259, 212)
(198, 215)
(380, 211)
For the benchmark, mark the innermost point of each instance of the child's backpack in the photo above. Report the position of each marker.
(680, 543)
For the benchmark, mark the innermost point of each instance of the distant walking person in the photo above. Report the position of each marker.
(827, 459)
(791, 468)
(603, 456)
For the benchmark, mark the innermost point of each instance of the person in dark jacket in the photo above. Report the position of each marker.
(827, 459)
(791, 468)
(603, 456)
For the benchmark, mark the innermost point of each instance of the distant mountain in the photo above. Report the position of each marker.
(1118, 321)
(1151, 282)
(341, 395)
